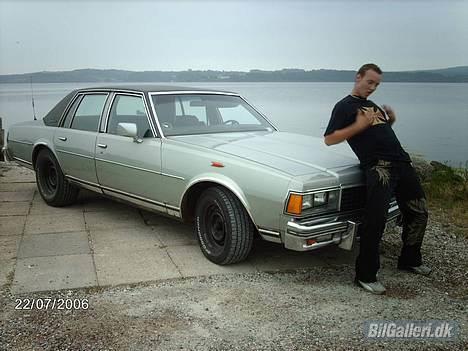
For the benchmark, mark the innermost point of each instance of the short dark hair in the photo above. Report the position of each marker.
(367, 67)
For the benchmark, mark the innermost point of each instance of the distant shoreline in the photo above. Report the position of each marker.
(446, 75)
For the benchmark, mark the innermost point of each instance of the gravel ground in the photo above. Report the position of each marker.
(314, 309)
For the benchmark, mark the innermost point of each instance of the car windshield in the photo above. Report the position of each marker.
(181, 114)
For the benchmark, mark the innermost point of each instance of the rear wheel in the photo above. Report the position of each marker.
(52, 184)
(223, 227)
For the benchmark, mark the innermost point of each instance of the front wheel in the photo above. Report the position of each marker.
(223, 227)
(51, 183)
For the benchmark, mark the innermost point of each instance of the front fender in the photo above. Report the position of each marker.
(222, 180)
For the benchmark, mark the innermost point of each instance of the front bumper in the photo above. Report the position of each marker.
(304, 235)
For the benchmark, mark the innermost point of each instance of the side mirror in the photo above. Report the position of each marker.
(127, 129)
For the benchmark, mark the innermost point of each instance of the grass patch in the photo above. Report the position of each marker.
(447, 193)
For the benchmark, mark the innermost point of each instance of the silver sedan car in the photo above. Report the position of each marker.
(205, 157)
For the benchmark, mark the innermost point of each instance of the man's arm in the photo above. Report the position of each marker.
(363, 121)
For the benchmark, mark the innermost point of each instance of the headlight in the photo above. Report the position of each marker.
(314, 202)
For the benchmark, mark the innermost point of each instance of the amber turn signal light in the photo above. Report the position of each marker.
(295, 204)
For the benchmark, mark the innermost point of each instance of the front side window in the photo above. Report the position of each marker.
(89, 112)
(206, 113)
(129, 109)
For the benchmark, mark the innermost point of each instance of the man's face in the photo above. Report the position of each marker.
(368, 83)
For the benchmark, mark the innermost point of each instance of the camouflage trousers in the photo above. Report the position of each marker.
(384, 180)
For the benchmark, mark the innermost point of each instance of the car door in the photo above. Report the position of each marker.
(130, 167)
(75, 140)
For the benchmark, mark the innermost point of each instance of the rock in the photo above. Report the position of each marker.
(423, 168)
(439, 166)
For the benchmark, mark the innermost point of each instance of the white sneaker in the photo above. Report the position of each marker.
(374, 287)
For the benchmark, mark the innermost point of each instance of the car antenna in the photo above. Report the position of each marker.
(32, 98)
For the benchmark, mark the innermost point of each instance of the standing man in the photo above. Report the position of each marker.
(388, 170)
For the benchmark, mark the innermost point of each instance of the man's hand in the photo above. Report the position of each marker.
(364, 119)
(390, 113)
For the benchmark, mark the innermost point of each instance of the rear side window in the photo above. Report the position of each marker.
(71, 112)
(89, 112)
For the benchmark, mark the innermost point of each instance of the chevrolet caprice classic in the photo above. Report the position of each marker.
(201, 156)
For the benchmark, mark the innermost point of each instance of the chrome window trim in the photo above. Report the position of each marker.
(78, 94)
(147, 111)
(155, 114)
(185, 92)
(107, 93)
(197, 92)
(65, 110)
(68, 109)
(261, 114)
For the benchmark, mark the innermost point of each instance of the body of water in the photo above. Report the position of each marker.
(432, 118)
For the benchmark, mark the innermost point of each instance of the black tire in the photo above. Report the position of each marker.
(53, 187)
(223, 227)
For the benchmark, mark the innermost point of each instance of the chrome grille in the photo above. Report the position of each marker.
(353, 198)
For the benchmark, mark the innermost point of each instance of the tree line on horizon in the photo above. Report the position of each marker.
(454, 74)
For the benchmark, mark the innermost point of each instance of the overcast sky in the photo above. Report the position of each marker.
(231, 35)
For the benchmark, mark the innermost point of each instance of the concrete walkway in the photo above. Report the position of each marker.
(99, 242)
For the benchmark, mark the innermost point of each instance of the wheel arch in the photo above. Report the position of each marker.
(37, 148)
(196, 188)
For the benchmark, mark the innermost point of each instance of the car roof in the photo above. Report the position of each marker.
(150, 88)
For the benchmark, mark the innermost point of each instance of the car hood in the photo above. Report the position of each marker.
(292, 153)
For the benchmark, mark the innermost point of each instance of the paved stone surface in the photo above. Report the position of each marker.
(114, 219)
(9, 245)
(16, 196)
(7, 267)
(73, 243)
(28, 186)
(14, 208)
(191, 262)
(16, 174)
(124, 239)
(44, 223)
(53, 273)
(122, 266)
(98, 241)
(39, 207)
(12, 225)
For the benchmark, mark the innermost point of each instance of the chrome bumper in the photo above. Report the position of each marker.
(312, 234)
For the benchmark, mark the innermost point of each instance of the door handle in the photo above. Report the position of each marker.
(62, 138)
(102, 146)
